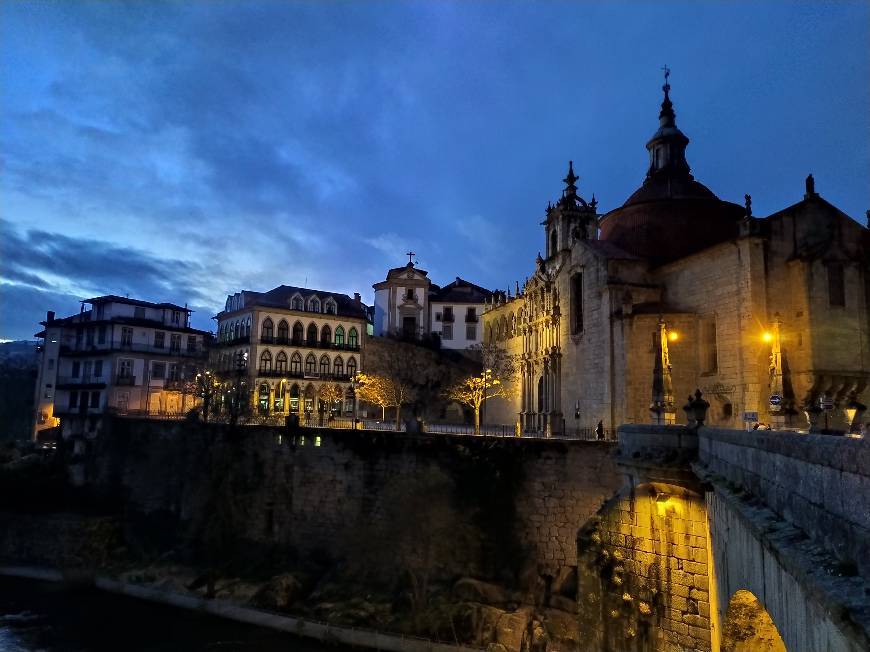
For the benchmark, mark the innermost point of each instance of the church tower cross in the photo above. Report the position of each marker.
(410, 255)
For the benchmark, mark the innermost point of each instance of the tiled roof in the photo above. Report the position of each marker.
(280, 297)
(113, 298)
(460, 291)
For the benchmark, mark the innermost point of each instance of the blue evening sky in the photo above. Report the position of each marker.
(181, 151)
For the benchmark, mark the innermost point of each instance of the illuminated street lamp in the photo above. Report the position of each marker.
(487, 375)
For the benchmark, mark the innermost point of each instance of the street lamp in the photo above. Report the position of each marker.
(486, 376)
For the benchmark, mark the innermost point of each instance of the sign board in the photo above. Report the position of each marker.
(775, 399)
(751, 417)
(826, 403)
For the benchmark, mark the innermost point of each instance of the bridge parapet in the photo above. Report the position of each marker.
(819, 483)
(652, 453)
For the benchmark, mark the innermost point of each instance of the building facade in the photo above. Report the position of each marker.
(630, 311)
(409, 304)
(292, 342)
(121, 355)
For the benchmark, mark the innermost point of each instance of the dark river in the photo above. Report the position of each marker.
(50, 617)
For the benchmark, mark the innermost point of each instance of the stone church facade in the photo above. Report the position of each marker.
(769, 317)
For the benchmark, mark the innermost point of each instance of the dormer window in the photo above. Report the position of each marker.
(296, 302)
(314, 304)
(330, 307)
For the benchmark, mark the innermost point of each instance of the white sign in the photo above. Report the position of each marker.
(750, 417)
(826, 402)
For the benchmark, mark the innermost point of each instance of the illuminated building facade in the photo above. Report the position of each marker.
(293, 341)
(408, 303)
(767, 316)
(121, 355)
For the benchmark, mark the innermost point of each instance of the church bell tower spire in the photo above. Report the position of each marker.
(667, 147)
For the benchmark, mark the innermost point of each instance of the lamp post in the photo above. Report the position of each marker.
(354, 385)
(577, 416)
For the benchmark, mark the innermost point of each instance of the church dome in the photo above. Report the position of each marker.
(671, 215)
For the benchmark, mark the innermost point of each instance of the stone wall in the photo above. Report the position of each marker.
(316, 494)
(643, 575)
(819, 483)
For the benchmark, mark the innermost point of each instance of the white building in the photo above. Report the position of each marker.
(122, 355)
(294, 341)
(407, 303)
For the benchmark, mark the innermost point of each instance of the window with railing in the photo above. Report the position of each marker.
(126, 336)
(175, 343)
(296, 364)
(191, 343)
(158, 370)
(310, 364)
(173, 373)
(265, 362)
(352, 338)
(283, 331)
(281, 362)
(324, 365)
(326, 335)
(339, 336)
(268, 329)
(351, 367)
(159, 340)
(338, 367)
(311, 335)
(298, 333)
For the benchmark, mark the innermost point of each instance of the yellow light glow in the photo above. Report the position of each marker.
(767, 336)
(673, 336)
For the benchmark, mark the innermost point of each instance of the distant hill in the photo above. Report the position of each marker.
(18, 362)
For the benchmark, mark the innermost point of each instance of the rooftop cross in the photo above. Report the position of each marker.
(410, 255)
(667, 86)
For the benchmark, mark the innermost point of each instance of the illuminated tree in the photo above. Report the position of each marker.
(374, 389)
(475, 390)
(331, 393)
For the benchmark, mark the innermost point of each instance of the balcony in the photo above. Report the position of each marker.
(312, 344)
(244, 339)
(471, 319)
(104, 349)
(308, 375)
(85, 382)
(448, 317)
(125, 380)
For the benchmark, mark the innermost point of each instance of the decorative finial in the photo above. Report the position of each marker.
(549, 206)
(571, 179)
(667, 87)
(594, 203)
(667, 115)
(810, 187)
(517, 292)
(748, 203)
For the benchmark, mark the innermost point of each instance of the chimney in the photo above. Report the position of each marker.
(49, 316)
(357, 298)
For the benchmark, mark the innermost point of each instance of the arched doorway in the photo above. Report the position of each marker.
(748, 627)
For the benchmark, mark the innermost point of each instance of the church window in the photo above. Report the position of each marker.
(554, 243)
(296, 364)
(339, 336)
(281, 362)
(324, 365)
(298, 333)
(265, 362)
(283, 331)
(311, 364)
(710, 353)
(836, 285)
(353, 338)
(577, 302)
(268, 329)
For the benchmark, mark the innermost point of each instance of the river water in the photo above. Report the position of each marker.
(49, 617)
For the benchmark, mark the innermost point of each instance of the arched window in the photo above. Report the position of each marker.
(283, 331)
(339, 336)
(329, 307)
(351, 367)
(352, 338)
(314, 304)
(248, 328)
(268, 329)
(338, 367)
(554, 243)
(296, 364)
(281, 362)
(311, 337)
(298, 333)
(310, 364)
(237, 330)
(296, 303)
(324, 365)
(326, 335)
(265, 362)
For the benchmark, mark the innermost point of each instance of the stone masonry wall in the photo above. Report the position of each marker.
(818, 483)
(314, 493)
(643, 575)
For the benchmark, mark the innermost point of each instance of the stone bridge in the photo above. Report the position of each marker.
(730, 540)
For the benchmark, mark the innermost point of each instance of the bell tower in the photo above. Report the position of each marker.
(571, 218)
